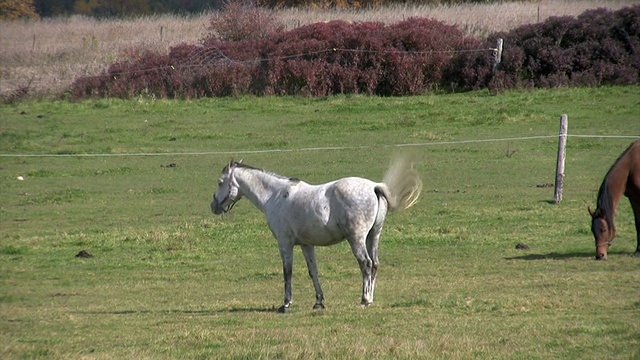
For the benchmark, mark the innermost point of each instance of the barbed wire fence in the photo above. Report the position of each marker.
(317, 148)
(211, 56)
(560, 163)
(204, 57)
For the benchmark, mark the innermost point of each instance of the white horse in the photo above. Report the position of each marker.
(307, 215)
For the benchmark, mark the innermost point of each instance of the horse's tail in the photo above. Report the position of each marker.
(403, 184)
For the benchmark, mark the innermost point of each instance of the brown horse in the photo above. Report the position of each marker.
(622, 178)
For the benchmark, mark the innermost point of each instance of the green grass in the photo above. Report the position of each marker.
(170, 280)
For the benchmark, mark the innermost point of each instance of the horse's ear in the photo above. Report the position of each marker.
(240, 161)
(598, 212)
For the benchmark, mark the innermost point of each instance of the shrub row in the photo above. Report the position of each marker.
(319, 59)
(417, 55)
(599, 47)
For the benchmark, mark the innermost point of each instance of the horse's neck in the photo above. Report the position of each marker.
(614, 182)
(258, 186)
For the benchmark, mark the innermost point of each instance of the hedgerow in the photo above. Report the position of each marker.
(598, 47)
(316, 60)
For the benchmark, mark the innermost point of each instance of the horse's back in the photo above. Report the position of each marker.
(356, 202)
(356, 192)
(325, 214)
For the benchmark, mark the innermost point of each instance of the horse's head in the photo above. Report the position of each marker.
(604, 232)
(228, 192)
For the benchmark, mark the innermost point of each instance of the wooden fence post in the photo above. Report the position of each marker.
(562, 143)
(497, 54)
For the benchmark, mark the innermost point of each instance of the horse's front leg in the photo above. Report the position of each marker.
(286, 253)
(310, 257)
(635, 205)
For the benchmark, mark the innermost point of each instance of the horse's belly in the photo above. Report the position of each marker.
(318, 237)
(319, 241)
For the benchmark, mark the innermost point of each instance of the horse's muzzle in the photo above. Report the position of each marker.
(216, 208)
(601, 252)
(601, 256)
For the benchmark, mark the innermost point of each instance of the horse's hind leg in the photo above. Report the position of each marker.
(372, 250)
(366, 267)
(373, 239)
(310, 257)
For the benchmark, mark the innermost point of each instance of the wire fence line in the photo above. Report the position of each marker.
(321, 148)
(204, 57)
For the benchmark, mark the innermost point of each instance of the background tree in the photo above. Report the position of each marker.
(86, 7)
(16, 9)
(125, 7)
(47, 8)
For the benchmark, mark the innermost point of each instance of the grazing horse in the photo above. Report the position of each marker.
(307, 215)
(622, 178)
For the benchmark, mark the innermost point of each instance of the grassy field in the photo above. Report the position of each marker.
(168, 279)
(45, 56)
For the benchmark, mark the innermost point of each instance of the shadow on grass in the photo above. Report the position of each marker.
(562, 256)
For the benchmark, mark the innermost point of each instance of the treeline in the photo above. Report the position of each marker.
(12, 9)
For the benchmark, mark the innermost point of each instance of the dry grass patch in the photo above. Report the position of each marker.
(476, 19)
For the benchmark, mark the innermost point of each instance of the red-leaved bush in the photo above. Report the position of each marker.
(241, 20)
(599, 47)
(316, 60)
(413, 56)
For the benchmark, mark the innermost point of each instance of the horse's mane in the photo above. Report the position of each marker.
(246, 166)
(604, 206)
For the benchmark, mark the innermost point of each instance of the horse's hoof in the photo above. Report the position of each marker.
(318, 307)
(636, 254)
(365, 304)
(283, 309)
